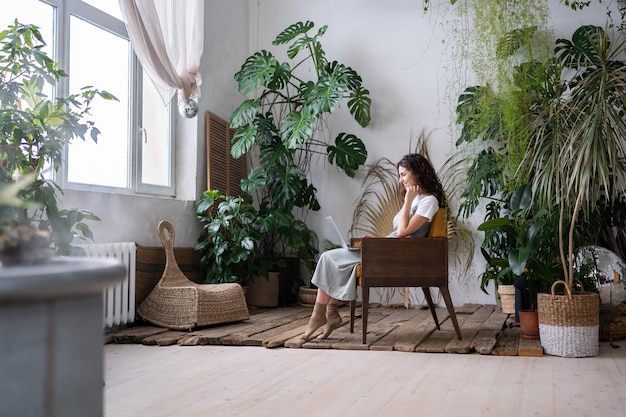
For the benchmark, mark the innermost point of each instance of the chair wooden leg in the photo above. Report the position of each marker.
(431, 305)
(365, 306)
(448, 300)
(352, 313)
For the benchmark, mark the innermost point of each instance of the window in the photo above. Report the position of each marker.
(134, 153)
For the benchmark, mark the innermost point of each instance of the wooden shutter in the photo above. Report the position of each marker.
(224, 173)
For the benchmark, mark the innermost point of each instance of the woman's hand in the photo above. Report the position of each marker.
(411, 192)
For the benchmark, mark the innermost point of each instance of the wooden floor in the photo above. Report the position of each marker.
(248, 381)
(484, 329)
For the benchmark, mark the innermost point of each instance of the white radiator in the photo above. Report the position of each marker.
(119, 300)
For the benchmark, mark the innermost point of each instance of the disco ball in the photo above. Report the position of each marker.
(608, 271)
(188, 109)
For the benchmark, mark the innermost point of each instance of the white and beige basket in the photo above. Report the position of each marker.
(569, 324)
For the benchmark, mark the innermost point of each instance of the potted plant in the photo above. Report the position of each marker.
(33, 132)
(284, 122)
(528, 256)
(228, 245)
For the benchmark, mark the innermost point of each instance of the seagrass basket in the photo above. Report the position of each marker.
(569, 324)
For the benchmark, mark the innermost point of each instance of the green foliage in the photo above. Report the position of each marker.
(284, 120)
(228, 247)
(284, 124)
(586, 116)
(34, 131)
(523, 243)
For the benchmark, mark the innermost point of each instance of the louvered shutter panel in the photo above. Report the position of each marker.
(224, 173)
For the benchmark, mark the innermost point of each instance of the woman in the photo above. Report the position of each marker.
(335, 273)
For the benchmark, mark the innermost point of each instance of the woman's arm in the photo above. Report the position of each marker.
(408, 225)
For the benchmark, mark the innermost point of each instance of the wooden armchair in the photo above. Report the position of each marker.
(412, 262)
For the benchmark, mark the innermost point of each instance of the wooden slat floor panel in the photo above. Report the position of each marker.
(484, 329)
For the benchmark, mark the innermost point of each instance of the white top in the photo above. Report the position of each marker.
(426, 205)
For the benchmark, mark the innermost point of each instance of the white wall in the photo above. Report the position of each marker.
(404, 59)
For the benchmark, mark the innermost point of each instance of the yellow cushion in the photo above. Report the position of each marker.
(439, 224)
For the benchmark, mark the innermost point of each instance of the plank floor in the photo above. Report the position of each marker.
(484, 330)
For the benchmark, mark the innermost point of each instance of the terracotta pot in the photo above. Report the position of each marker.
(529, 324)
(263, 292)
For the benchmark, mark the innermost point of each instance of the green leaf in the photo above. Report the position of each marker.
(518, 257)
(359, 105)
(258, 70)
(257, 179)
(497, 223)
(522, 198)
(292, 31)
(585, 49)
(243, 140)
(245, 113)
(297, 127)
(326, 95)
(349, 153)
(513, 41)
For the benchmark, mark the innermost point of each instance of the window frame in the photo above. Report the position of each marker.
(63, 10)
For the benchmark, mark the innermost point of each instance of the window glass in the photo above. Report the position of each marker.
(92, 52)
(111, 7)
(155, 144)
(31, 12)
(134, 152)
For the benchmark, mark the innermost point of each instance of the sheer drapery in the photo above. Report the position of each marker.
(168, 38)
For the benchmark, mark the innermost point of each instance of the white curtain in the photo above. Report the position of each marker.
(168, 38)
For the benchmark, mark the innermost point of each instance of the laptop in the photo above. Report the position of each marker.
(339, 236)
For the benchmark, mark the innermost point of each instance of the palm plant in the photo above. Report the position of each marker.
(577, 150)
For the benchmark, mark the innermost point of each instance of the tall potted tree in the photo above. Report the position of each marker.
(283, 122)
(577, 155)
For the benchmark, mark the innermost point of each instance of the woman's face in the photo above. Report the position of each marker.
(406, 177)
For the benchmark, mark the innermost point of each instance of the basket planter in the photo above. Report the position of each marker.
(506, 293)
(569, 324)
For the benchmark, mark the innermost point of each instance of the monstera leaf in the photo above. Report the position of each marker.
(348, 154)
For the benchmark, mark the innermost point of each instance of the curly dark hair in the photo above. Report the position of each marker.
(425, 175)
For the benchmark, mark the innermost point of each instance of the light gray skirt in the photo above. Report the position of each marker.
(335, 273)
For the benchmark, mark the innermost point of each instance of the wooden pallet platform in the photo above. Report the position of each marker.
(484, 329)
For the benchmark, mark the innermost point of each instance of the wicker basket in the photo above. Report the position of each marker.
(569, 324)
(506, 293)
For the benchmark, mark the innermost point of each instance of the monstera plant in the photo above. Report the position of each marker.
(284, 120)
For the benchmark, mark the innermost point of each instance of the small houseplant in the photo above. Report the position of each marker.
(284, 123)
(229, 244)
(527, 250)
(33, 132)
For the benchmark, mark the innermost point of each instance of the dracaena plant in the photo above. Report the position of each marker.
(284, 120)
